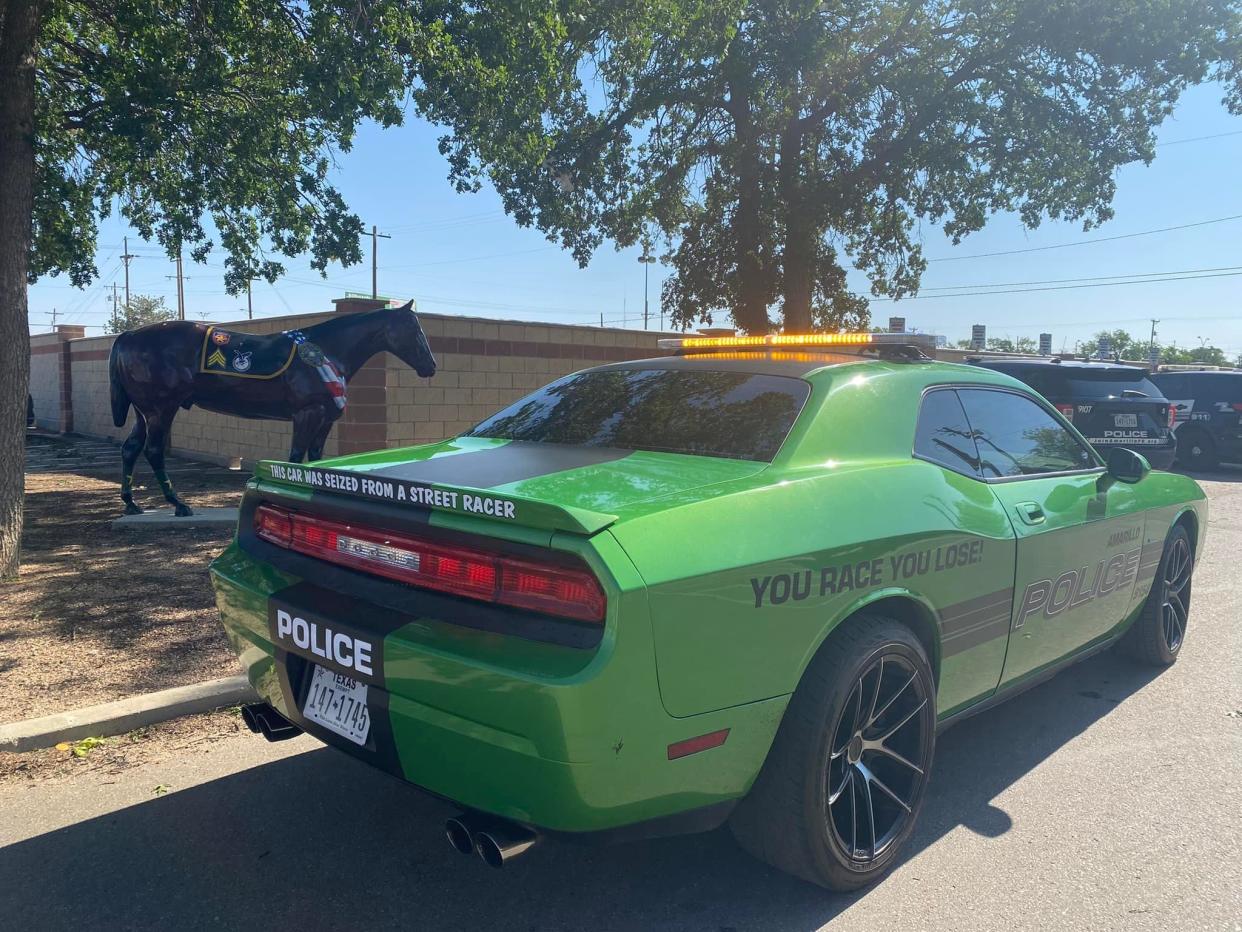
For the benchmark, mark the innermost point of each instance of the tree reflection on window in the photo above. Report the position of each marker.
(707, 413)
(1017, 437)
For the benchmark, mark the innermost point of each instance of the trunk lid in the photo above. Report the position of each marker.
(556, 487)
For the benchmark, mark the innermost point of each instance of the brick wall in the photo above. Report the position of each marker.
(49, 377)
(483, 365)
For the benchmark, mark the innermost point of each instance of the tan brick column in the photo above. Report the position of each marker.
(364, 424)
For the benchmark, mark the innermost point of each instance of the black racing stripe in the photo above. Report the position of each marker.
(967, 614)
(967, 624)
(512, 462)
(997, 627)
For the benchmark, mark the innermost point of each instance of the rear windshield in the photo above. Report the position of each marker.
(1205, 386)
(737, 415)
(1106, 384)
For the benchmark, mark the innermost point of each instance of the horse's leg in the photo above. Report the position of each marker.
(321, 437)
(158, 425)
(307, 423)
(130, 449)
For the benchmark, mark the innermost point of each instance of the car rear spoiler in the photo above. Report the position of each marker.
(461, 500)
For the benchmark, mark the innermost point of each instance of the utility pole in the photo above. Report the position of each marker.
(646, 259)
(180, 289)
(249, 301)
(180, 279)
(116, 308)
(53, 313)
(126, 259)
(375, 238)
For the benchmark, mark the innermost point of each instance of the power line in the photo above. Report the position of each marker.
(1178, 142)
(973, 294)
(1087, 242)
(1098, 278)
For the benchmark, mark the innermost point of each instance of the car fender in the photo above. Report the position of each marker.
(927, 627)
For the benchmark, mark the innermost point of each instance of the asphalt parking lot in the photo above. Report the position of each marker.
(1107, 798)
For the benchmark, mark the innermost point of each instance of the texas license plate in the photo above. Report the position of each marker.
(338, 703)
(1125, 420)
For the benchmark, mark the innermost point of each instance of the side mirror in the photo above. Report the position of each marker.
(1126, 465)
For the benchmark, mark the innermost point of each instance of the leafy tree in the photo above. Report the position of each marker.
(773, 144)
(1006, 345)
(142, 310)
(1121, 344)
(1202, 355)
(176, 112)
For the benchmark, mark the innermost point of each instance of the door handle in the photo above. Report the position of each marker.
(1030, 512)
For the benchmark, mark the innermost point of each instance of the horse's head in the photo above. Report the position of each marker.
(406, 340)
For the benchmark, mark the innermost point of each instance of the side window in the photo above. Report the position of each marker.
(1017, 437)
(943, 434)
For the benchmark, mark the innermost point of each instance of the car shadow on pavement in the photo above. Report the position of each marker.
(318, 840)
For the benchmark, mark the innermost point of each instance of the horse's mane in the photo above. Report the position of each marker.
(347, 321)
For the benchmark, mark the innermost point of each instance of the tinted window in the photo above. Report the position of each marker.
(1207, 387)
(1017, 437)
(1109, 385)
(731, 414)
(943, 433)
(1172, 386)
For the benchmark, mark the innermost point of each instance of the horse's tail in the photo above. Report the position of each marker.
(120, 397)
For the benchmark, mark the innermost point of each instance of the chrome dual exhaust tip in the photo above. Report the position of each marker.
(495, 841)
(263, 720)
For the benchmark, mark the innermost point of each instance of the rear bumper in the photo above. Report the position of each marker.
(562, 739)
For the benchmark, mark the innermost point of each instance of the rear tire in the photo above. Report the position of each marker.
(844, 781)
(1157, 635)
(1196, 451)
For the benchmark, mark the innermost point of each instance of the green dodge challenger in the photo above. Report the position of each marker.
(747, 582)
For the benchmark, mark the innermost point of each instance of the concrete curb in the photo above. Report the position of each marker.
(115, 718)
(162, 518)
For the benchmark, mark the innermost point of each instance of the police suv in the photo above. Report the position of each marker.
(1208, 409)
(1112, 405)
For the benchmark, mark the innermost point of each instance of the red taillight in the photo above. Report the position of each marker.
(476, 574)
(1067, 411)
(273, 526)
(1172, 416)
(1237, 406)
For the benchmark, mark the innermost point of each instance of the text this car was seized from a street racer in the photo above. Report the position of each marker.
(747, 582)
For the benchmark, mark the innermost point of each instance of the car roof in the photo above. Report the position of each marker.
(1077, 366)
(1167, 373)
(804, 364)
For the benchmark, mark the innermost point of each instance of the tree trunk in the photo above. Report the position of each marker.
(799, 252)
(19, 30)
(751, 312)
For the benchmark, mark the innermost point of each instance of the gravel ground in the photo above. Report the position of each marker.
(99, 614)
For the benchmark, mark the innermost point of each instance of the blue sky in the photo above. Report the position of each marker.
(459, 254)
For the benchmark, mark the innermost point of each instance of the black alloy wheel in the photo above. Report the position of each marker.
(876, 769)
(1156, 636)
(1175, 593)
(1196, 451)
(844, 781)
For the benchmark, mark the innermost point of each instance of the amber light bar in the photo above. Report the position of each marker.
(472, 573)
(786, 340)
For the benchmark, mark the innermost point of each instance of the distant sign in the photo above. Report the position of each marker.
(978, 336)
(1105, 348)
(1153, 356)
(1045, 344)
(896, 325)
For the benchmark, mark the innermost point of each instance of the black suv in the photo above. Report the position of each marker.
(1111, 405)
(1208, 406)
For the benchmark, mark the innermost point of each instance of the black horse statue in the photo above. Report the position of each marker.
(297, 376)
